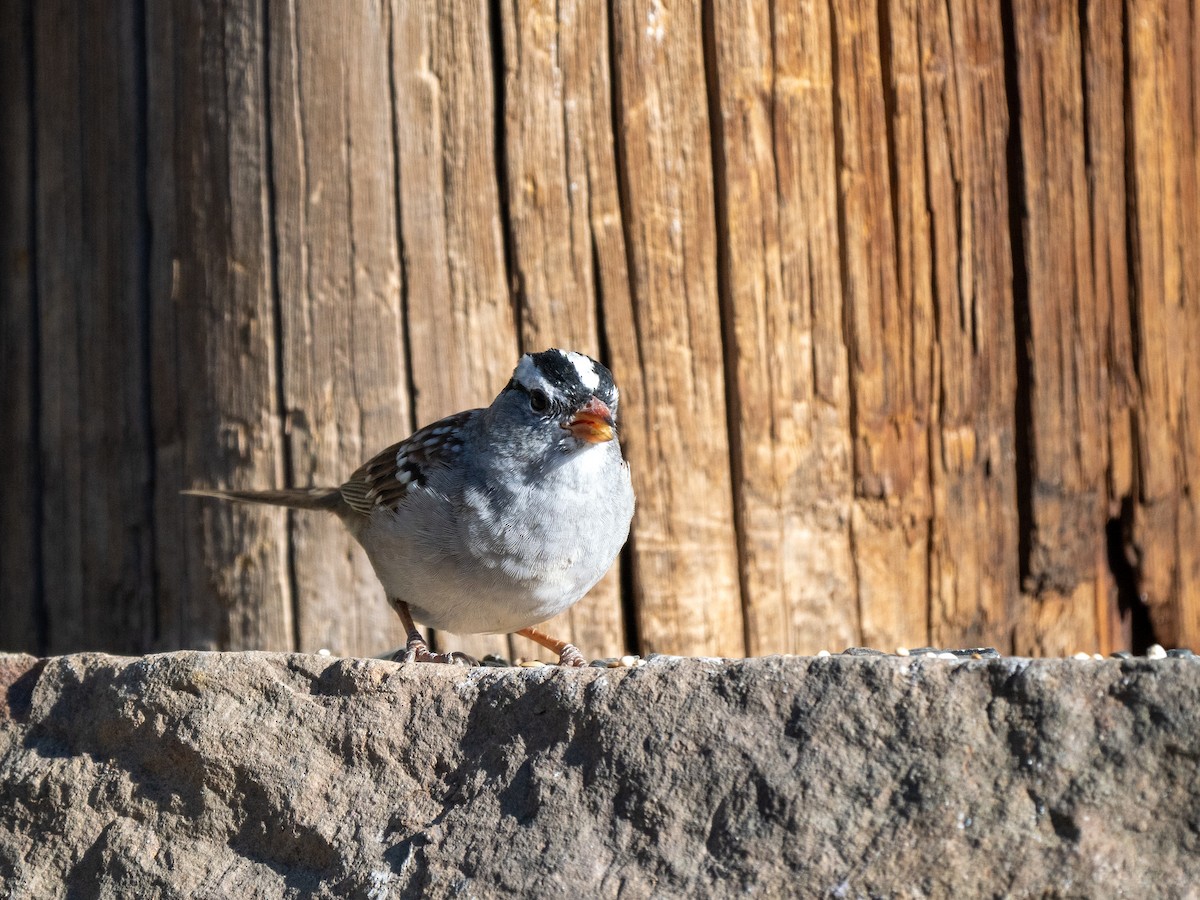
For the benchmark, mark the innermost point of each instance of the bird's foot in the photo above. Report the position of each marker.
(570, 656)
(418, 651)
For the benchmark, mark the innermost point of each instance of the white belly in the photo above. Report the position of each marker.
(503, 562)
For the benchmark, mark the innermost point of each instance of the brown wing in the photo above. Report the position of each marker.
(384, 479)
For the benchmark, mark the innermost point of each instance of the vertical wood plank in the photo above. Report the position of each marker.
(1104, 85)
(460, 317)
(223, 578)
(96, 528)
(782, 287)
(344, 382)
(20, 591)
(553, 57)
(1163, 42)
(685, 560)
(957, 51)
(60, 241)
(888, 377)
(593, 144)
(1066, 558)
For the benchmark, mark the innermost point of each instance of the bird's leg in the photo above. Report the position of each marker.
(416, 650)
(568, 654)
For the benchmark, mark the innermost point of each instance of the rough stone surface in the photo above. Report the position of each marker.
(265, 775)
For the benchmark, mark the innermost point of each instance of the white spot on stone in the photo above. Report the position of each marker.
(380, 879)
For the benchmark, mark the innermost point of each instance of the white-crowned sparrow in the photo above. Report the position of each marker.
(492, 520)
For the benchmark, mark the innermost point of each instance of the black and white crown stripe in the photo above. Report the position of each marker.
(565, 375)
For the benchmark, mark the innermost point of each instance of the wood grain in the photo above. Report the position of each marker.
(782, 295)
(555, 65)
(888, 377)
(96, 522)
(1066, 560)
(901, 296)
(344, 382)
(957, 51)
(222, 568)
(685, 561)
(20, 569)
(461, 324)
(1163, 40)
(1102, 28)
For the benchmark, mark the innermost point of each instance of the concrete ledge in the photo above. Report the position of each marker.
(256, 775)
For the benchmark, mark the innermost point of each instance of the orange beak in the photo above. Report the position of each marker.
(593, 422)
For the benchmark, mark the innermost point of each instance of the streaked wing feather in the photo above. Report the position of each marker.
(385, 479)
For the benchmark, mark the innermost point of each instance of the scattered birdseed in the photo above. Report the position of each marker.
(626, 662)
(1156, 651)
(1121, 654)
(1097, 656)
(821, 654)
(902, 651)
(947, 655)
(324, 652)
(1081, 655)
(531, 664)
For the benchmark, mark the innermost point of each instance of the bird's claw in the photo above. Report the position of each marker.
(571, 657)
(418, 651)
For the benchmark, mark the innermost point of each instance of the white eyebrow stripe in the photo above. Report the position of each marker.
(584, 366)
(527, 373)
(530, 377)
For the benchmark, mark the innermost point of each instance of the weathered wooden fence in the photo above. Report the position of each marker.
(903, 297)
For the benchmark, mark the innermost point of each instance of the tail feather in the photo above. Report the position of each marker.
(327, 498)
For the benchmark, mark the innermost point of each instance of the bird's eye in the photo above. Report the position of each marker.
(538, 401)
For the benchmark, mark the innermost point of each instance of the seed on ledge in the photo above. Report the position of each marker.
(1155, 651)
(626, 662)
